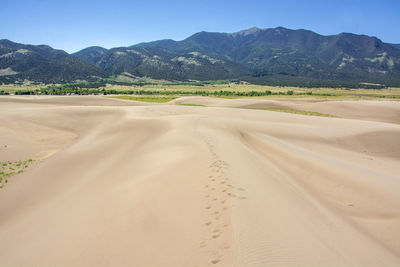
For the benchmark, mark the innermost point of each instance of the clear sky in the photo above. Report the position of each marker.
(73, 25)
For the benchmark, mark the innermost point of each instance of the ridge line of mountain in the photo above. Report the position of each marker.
(269, 56)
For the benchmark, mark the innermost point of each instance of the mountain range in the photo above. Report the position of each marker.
(269, 56)
(42, 63)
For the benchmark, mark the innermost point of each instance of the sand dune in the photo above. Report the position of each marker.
(120, 184)
(384, 111)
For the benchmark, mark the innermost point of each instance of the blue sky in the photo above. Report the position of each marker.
(73, 25)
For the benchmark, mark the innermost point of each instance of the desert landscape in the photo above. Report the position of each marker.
(200, 133)
(199, 181)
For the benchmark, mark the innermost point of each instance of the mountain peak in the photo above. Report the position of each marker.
(280, 29)
(249, 31)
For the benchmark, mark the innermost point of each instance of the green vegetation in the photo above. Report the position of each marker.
(296, 111)
(153, 99)
(11, 168)
(221, 88)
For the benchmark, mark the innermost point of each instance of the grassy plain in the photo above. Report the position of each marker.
(233, 90)
(12, 88)
(277, 91)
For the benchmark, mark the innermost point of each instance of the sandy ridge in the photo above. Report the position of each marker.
(170, 185)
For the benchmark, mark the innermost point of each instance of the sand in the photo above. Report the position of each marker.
(121, 183)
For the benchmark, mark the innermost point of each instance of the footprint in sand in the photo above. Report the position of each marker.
(215, 236)
(214, 261)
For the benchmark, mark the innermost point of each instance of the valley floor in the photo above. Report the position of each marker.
(125, 183)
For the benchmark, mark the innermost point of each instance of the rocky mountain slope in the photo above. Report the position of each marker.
(276, 55)
(42, 63)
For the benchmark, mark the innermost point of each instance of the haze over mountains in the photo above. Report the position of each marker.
(271, 56)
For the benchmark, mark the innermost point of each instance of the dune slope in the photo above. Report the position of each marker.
(169, 185)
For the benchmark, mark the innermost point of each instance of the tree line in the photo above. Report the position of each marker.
(88, 91)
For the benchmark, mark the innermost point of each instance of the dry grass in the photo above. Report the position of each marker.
(320, 93)
(11, 168)
(300, 112)
(11, 88)
(192, 105)
(324, 93)
(151, 99)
